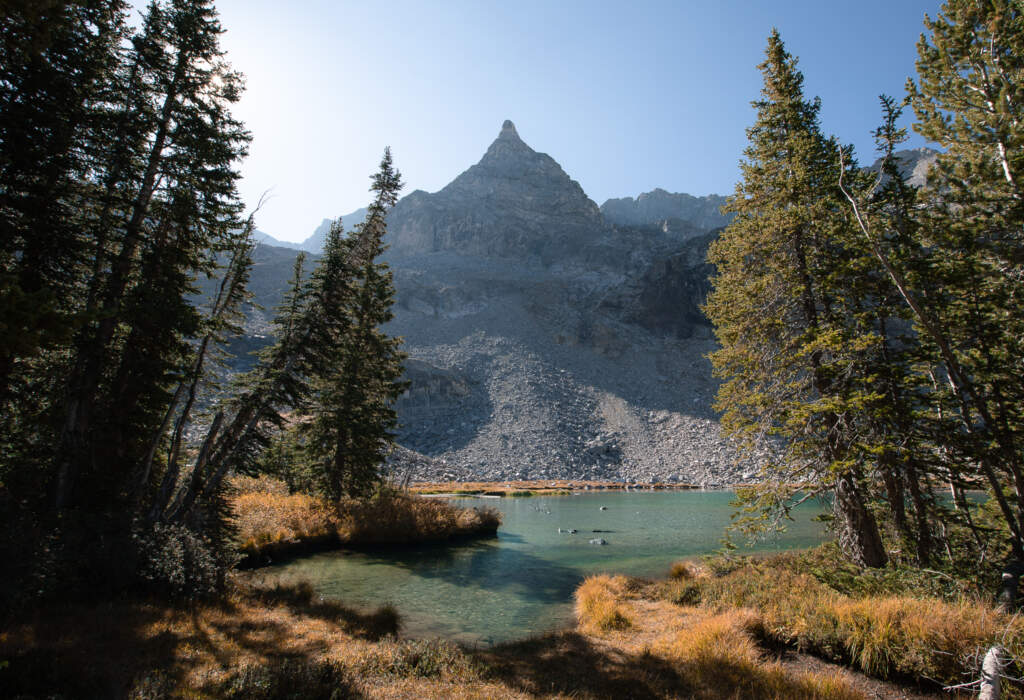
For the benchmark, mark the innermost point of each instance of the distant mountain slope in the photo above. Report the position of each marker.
(267, 239)
(676, 213)
(315, 243)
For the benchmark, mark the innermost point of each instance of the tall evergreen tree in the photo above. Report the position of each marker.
(57, 62)
(970, 100)
(174, 206)
(789, 338)
(953, 252)
(353, 413)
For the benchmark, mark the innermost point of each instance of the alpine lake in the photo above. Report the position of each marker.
(521, 582)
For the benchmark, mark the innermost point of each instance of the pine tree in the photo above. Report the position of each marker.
(353, 413)
(57, 61)
(969, 101)
(785, 316)
(167, 207)
(953, 251)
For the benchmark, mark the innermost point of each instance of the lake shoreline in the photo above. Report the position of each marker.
(659, 637)
(274, 525)
(539, 487)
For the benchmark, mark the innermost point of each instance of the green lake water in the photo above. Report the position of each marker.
(521, 582)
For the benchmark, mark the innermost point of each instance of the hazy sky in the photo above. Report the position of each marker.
(626, 96)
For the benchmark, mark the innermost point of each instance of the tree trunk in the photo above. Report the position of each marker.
(858, 531)
(1008, 586)
(991, 673)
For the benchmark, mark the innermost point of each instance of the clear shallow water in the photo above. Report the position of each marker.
(521, 582)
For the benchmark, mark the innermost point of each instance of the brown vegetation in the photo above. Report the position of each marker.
(597, 603)
(924, 638)
(280, 642)
(270, 521)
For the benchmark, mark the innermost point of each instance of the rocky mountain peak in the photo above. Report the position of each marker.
(509, 157)
(514, 203)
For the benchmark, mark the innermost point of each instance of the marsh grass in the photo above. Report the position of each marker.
(397, 518)
(720, 656)
(271, 521)
(924, 638)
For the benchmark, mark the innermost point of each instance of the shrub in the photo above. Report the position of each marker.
(179, 562)
(681, 570)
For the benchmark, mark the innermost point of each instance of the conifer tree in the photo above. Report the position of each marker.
(352, 413)
(57, 61)
(789, 337)
(953, 251)
(167, 207)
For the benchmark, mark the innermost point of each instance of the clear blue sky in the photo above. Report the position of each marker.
(626, 96)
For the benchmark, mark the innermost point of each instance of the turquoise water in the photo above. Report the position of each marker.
(521, 582)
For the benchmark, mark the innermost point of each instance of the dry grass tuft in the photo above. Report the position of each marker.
(681, 571)
(597, 603)
(268, 521)
(397, 518)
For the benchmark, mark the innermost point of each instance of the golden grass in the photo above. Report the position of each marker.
(269, 520)
(396, 518)
(282, 641)
(720, 657)
(265, 521)
(597, 603)
(885, 636)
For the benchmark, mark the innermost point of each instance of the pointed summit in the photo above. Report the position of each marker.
(514, 203)
(508, 130)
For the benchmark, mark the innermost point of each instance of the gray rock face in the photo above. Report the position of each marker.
(677, 214)
(514, 203)
(913, 163)
(544, 342)
(315, 242)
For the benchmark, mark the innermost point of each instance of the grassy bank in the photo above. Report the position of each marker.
(911, 626)
(284, 642)
(272, 522)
